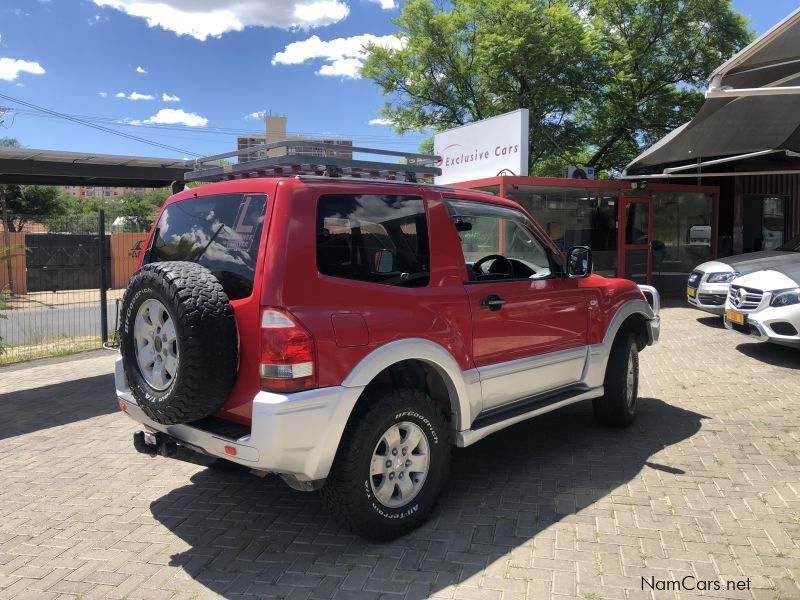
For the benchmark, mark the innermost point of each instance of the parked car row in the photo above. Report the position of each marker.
(757, 294)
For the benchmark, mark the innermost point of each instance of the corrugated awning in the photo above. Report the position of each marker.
(752, 112)
(29, 166)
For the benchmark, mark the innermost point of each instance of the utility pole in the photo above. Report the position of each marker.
(6, 236)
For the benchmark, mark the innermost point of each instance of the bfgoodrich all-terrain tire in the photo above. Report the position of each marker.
(391, 465)
(178, 341)
(617, 408)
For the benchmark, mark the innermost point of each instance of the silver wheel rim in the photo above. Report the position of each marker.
(399, 465)
(156, 344)
(631, 380)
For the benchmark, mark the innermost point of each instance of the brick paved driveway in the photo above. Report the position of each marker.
(707, 483)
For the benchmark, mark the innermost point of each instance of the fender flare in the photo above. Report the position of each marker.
(599, 353)
(631, 307)
(463, 387)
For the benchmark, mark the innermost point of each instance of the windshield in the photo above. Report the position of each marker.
(792, 245)
(221, 232)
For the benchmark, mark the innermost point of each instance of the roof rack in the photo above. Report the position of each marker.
(295, 162)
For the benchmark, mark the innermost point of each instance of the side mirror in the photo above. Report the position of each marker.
(579, 262)
(462, 225)
(383, 261)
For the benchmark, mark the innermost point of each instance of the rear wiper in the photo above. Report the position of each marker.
(213, 237)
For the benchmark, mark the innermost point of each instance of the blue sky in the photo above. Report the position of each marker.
(237, 58)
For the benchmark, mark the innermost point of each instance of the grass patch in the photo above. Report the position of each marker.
(48, 349)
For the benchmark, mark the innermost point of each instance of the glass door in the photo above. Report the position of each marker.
(635, 232)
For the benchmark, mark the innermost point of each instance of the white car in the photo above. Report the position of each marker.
(766, 305)
(708, 284)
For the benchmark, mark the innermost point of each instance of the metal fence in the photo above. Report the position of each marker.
(54, 296)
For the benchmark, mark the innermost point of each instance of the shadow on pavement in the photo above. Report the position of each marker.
(58, 404)
(772, 354)
(712, 321)
(258, 536)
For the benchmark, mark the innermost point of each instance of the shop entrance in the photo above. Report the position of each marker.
(635, 250)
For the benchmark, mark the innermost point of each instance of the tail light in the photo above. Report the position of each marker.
(287, 353)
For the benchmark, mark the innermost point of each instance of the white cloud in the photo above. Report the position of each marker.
(386, 4)
(168, 98)
(381, 122)
(140, 70)
(134, 96)
(103, 94)
(202, 19)
(256, 115)
(344, 57)
(172, 116)
(10, 68)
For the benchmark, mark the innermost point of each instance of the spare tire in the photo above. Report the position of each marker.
(178, 341)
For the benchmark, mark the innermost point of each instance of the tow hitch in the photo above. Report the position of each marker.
(154, 443)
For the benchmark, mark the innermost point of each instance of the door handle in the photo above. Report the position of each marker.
(493, 302)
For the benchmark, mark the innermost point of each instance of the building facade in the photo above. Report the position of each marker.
(275, 131)
(85, 191)
(656, 235)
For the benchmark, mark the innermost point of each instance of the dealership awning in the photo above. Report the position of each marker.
(751, 115)
(51, 167)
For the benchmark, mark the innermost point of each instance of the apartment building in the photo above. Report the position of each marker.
(86, 191)
(275, 131)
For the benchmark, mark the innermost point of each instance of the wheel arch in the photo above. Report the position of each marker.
(420, 364)
(633, 315)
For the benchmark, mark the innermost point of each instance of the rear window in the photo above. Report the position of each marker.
(221, 232)
(382, 239)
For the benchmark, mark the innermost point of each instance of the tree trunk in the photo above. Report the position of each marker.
(6, 236)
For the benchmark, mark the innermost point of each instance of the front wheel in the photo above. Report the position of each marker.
(391, 466)
(617, 407)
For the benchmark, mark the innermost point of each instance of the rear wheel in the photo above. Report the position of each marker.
(391, 466)
(617, 407)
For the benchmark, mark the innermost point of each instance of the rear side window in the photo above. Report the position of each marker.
(221, 232)
(382, 239)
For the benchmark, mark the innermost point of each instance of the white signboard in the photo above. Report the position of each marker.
(494, 146)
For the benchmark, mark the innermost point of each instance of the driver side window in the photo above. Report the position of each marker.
(498, 242)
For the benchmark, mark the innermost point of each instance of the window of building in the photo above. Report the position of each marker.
(575, 217)
(381, 239)
(681, 237)
(763, 222)
(486, 230)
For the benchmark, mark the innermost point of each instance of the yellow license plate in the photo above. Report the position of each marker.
(691, 292)
(735, 317)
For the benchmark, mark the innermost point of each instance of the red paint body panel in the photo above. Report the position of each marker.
(349, 319)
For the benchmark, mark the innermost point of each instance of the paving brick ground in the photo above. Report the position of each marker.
(705, 484)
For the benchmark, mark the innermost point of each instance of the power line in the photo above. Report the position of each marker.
(223, 130)
(99, 127)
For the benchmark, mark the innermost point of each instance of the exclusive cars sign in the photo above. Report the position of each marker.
(494, 146)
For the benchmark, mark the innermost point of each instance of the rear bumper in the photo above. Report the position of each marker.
(292, 434)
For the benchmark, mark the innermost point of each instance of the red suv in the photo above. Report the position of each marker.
(346, 333)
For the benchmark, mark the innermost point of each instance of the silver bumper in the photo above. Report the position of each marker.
(653, 324)
(292, 434)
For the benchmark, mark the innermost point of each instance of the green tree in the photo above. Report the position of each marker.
(601, 78)
(24, 202)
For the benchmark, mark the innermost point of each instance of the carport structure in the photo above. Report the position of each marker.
(51, 167)
(746, 140)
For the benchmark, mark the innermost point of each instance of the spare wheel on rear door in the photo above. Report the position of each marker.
(178, 341)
